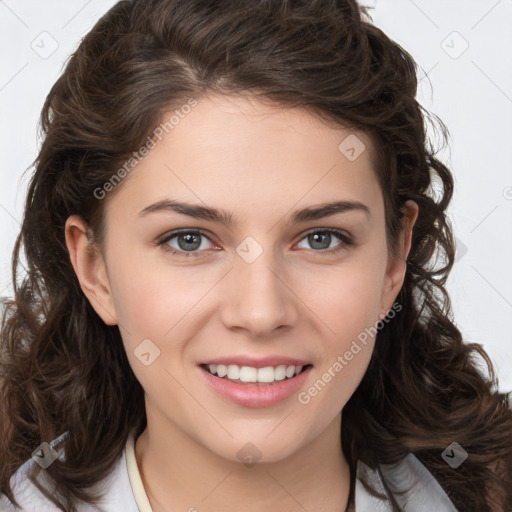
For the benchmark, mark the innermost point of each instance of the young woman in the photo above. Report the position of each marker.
(236, 249)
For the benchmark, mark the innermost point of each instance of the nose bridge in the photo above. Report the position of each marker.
(258, 299)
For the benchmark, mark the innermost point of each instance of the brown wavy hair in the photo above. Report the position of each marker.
(63, 370)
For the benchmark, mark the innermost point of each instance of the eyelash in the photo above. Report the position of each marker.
(345, 239)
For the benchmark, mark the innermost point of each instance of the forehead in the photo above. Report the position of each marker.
(241, 122)
(236, 150)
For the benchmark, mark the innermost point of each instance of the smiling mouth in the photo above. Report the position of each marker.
(256, 376)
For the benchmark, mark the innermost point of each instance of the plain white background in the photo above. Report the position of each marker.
(463, 48)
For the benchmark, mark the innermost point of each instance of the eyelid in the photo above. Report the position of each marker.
(162, 241)
(336, 231)
(346, 240)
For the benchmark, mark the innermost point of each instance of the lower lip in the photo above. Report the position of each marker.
(254, 394)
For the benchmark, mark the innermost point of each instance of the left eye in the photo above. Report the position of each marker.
(324, 239)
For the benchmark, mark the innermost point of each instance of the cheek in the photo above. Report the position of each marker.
(347, 301)
(348, 313)
(156, 309)
(348, 298)
(155, 300)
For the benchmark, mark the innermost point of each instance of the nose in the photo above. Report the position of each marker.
(258, 297)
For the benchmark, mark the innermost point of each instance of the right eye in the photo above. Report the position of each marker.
(188, 243)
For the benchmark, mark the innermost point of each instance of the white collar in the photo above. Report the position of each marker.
(139, 493)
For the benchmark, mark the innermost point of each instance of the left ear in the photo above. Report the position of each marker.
(397, 266)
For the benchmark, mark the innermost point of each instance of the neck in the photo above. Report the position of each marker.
(179, 472)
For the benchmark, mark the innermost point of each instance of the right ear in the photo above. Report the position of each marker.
(90, 269)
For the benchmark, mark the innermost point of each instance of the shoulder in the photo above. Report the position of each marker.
(118, 494)
(422, 492)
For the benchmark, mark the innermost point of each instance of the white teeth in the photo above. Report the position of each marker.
(290, 371)
(233, 371)
(248, 374)
(266, 374)
(251, 374)
(280, 372)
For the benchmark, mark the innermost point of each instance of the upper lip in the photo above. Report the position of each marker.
(257, 362)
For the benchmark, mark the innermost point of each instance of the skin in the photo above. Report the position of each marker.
(260, 163)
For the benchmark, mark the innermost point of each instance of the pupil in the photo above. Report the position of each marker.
(314, 239)
(189, 240)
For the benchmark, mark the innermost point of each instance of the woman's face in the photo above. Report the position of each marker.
(287, 279)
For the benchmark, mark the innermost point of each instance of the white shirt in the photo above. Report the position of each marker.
(125, 491)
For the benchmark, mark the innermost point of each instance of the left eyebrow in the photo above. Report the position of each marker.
(328, 209)
(226, 218)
